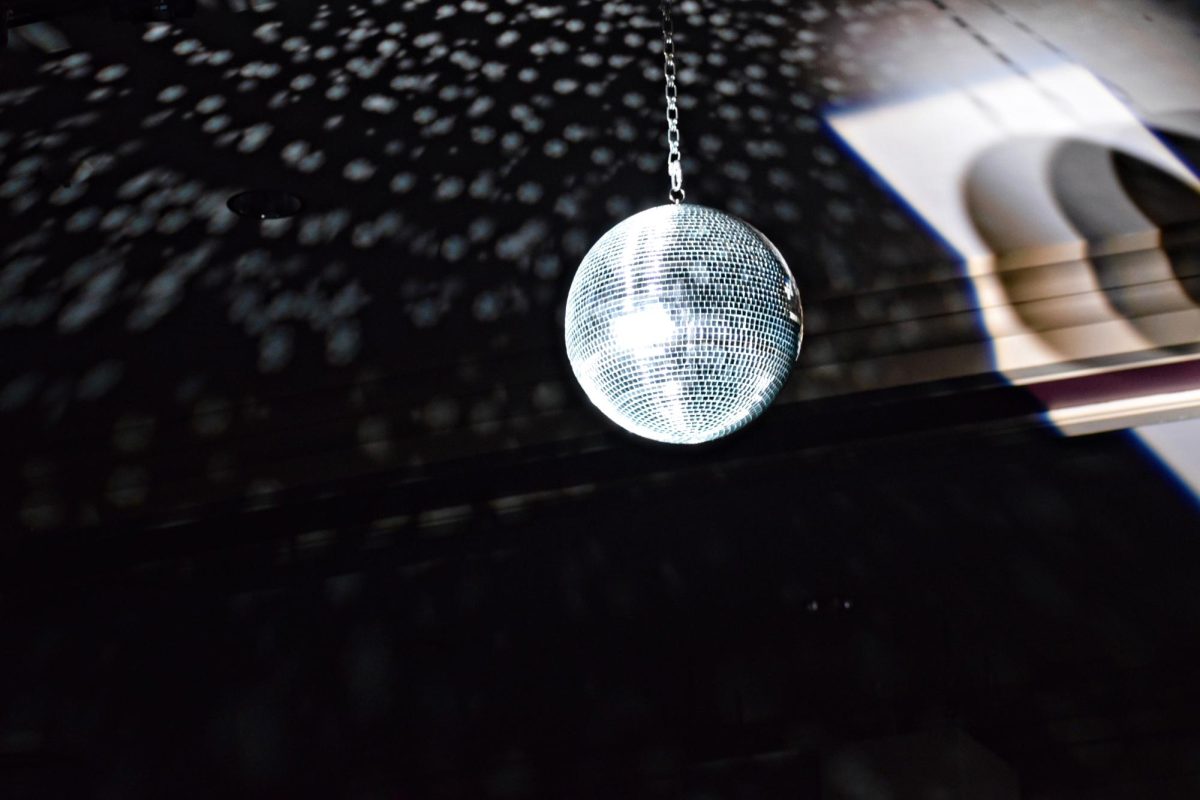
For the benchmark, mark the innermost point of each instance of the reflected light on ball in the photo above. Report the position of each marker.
(683, 323)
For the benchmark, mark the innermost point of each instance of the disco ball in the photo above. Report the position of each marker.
(683, 324)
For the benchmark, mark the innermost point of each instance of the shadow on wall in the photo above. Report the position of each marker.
(1098, 246)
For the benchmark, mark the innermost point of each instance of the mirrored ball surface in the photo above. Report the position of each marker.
(683, 323)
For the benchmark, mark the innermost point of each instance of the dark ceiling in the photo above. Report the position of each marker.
(315, 507)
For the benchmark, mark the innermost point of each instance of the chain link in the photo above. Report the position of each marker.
(674, 159)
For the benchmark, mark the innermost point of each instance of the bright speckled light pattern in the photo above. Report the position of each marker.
(683, 323)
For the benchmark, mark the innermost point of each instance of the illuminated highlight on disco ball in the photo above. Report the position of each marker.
(683, 324)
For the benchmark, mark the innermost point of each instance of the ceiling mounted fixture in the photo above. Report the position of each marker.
(264, 204)
(682, 322)
(152, 10)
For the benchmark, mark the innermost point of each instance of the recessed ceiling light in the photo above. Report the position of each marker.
(151, 10)
(265, 204)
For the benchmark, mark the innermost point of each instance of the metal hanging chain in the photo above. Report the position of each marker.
(674, 159)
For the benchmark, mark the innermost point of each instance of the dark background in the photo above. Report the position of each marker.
(315, 508)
